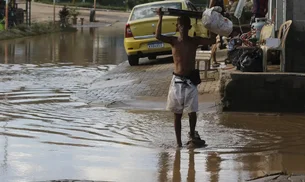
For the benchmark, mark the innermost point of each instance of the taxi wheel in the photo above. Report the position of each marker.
(133, 60)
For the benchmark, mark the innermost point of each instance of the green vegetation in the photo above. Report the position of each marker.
(23, 30)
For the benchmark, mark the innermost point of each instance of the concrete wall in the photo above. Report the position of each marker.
(262, 92)
(295, 43)
(277, 6)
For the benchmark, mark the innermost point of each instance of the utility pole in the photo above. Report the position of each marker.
(6, 14)
(27, 12)
(30, 12)
(54, 11)
(94, 7)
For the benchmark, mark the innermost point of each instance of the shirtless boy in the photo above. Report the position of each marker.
(183, 94)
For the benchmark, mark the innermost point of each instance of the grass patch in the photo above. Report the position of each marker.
(35, 29)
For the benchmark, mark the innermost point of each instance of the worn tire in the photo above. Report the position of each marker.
(133, 60)
(152, 57)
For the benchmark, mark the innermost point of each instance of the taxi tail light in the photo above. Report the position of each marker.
(128, 32)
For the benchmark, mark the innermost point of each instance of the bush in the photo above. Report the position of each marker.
(74, 12)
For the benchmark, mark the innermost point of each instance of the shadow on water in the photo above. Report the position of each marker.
(86, 46)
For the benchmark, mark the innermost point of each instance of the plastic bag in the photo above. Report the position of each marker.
(216, 23)
(252, 61)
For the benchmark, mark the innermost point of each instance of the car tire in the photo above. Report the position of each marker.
(152, 57)
(133, 60)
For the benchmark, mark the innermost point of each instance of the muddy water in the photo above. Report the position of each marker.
(86, 46)
(47, 135)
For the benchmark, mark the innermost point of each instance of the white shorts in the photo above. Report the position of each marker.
(182, 95)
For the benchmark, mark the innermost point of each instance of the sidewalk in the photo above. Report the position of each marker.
(149, 79)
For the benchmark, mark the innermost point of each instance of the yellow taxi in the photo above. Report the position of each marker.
(139, 39)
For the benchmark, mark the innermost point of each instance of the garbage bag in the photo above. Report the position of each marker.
(216, 23)
(252, 61)
(235, 56)
(234, 53)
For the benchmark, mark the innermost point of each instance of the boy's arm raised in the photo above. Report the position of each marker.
(159, 36)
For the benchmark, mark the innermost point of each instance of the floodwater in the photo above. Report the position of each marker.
(46, 135)
(84, 47)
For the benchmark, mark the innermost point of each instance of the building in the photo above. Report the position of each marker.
(291, 10)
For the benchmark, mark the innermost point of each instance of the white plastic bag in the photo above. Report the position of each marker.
(216, 23)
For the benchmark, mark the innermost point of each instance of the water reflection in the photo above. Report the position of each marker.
(163, 166)
(191, 171)
(213, 166)
(187, 167)
(86, 46)
(177, 166)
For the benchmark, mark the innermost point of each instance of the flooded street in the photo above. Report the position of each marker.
(84, 47)
(48, 134)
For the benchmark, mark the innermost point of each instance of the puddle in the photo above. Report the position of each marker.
(46, 135)
(84, 47)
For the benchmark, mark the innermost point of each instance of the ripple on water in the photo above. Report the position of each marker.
(75, 124)
(62, 122)
(43, 111)
(38, 105)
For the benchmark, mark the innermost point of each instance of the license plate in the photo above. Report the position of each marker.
(155, 45)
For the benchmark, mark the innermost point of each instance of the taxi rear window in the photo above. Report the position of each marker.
(146, 11)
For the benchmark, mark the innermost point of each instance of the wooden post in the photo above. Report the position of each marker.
(5, 54)
(54, 12)
(94, 7)
(94, 49)
(30, 12)
(6, 14)
(27, 12)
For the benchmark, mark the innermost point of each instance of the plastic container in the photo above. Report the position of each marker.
(258, 25)
(239, 9)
